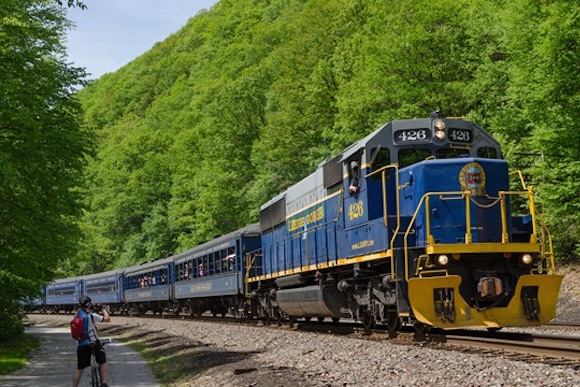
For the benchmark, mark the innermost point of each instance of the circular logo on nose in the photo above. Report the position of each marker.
(472, 178)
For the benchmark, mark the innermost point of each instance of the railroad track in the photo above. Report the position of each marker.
(551, 349)
(543, 348)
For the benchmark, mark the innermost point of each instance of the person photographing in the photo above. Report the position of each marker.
(88, 339)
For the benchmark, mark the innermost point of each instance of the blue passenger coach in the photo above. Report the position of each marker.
(105, 288)
(210, 277)
(147, 287)
(64, 294)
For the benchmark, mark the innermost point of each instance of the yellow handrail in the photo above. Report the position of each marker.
(424, 198)
(250, 259)
(383, 171)
(545, 241)
(521, 176)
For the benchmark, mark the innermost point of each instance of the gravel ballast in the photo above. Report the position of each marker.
(241, 355)
(247, 356)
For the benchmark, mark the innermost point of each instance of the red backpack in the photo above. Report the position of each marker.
(78, 330)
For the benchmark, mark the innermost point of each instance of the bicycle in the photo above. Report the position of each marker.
(95, 374)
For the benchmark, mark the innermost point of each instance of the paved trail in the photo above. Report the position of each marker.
(55, 361)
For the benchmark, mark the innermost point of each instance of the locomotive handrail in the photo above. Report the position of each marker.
(521, 176)
(548, 235)
(383, 171)
(545, 232)
(425, 199)
(504, 233)
(250, 259)
(546, 247)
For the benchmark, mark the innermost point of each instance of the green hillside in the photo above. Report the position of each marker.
(250, 96)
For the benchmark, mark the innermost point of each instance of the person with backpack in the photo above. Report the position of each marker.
(83, 330)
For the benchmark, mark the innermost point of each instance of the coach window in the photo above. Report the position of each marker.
(202, 267)
(214, 262)
(412, 155)
(65, 291)
(487, 153)
(209, 264)
(229, 259)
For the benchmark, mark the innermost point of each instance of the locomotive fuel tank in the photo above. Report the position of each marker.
(312, 301)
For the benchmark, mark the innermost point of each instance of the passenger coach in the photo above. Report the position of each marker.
(147, 287)
(210, 277)
(105, 288)
(64, 294)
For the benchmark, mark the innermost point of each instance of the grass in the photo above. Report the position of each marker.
(15, 352)
(171, 361)
(165, 369)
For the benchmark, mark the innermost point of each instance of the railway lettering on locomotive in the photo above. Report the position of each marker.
(411, 224)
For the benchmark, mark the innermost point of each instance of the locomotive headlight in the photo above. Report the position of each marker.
(439, 126)
(443, 260)
(526, 259)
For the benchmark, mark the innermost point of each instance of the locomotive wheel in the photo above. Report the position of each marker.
(320, 319)
(421, 328)
(394, 322)
(368, 323)
(335, 320)
(307, 318)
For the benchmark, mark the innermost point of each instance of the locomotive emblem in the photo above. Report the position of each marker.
(472, 178)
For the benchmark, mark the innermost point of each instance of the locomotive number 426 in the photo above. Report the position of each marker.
(412, 135)
(356, 210)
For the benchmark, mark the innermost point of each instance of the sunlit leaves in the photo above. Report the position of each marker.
(249, 97)
(42, 149)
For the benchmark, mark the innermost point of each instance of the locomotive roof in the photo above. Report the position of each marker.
(384, 134)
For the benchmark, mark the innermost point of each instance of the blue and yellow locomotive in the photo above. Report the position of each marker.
(414, 223)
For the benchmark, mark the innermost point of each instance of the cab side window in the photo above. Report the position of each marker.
(412, 155)
(487, 153)
(354, 177)
(380, 157)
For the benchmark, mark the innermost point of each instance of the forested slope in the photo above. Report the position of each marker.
(250, 96)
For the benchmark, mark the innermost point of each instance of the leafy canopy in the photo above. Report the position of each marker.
(250, 96)
(42, 152)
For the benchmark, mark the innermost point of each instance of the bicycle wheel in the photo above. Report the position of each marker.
(95, 377)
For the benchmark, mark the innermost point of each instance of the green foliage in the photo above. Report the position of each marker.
(249, 97)
(42, 151)
(15, 351)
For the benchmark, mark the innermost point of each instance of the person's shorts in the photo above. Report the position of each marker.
(84, 355)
